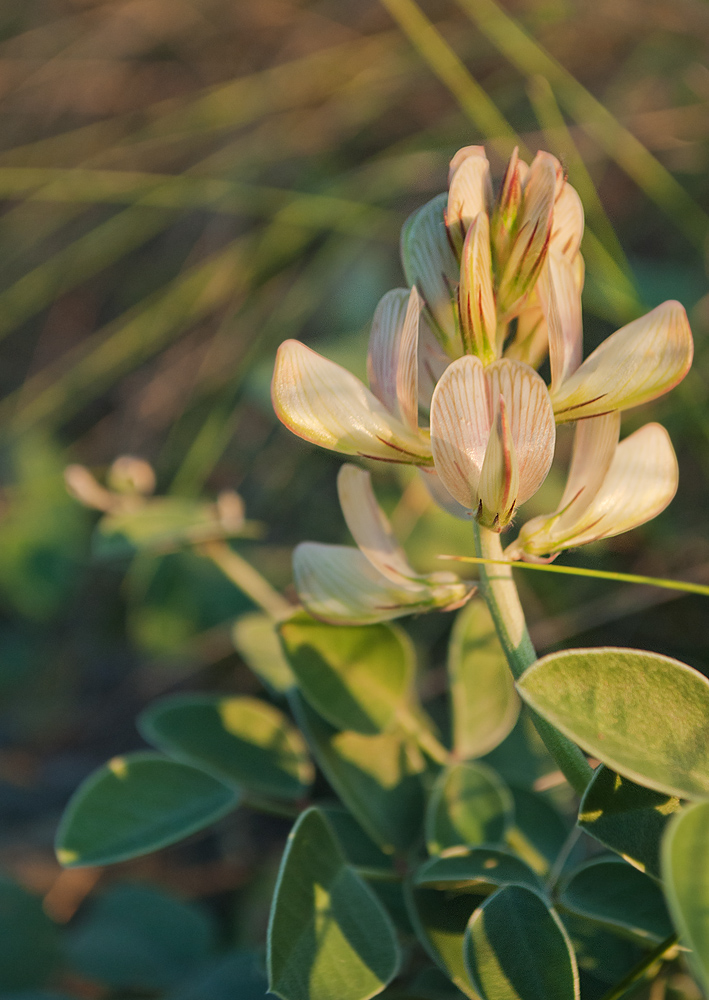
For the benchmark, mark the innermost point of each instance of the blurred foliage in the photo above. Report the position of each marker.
(184, 184)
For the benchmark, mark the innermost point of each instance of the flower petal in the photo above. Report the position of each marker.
(595, 443)
(469, 194)
(460, 428)
(640, 362)
(531, 420)
(407, 370)
(568, 223)
(507, 206)
(463, 153)
(369, 526)
(476, 298)
(430, 264)
(392, 358)
(561, 304)
(531, 341)
(432, 363)
(338, 584)
(384, 341)
(531, 240)
(499, 477)
(324, 403)
(641, 480)
(440, 495)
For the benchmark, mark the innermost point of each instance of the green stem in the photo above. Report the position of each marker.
(500, 592)
(246, 578)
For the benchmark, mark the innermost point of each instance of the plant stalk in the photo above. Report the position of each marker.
(246, 578)
(500, 592)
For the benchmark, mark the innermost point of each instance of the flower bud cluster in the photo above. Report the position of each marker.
(495, 287)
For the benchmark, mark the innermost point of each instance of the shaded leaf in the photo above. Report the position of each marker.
(469, 805)
(610, 701)
(481, 870)
(627, 818)
(136, 804)
(359, 848)
(328, 934)
(242, 740)
(516, 948)
(616, 894)
(484, 701)
(539, 830)
(685, 870)
(30, 940)
(378, 778)
(440, 920)
(355, 676)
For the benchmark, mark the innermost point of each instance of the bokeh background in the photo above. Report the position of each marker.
(183, 185)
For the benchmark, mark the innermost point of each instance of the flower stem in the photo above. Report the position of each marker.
(246, 578)
(500, 592)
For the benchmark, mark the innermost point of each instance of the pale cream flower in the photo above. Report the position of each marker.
(373, 582)
(611, 488)
(492, 436)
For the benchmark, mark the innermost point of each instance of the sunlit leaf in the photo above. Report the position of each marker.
(328, 934)
(256, 640)
(685, 870)
(479, 871)
(469, 805)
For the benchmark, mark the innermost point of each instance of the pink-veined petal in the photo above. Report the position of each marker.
(531, 341)
(530, 243)
(507, 207)
(640, 362)
(476, 298)
(407, 369)
(430, 264)
(595, 444)
(641, 480)
(370, 527)
(384, 343)
(459, 158)
(324, 403)
(469, 194)
(561, 304)
(460, 427)
(531, 420)
(432, 363)
(568, 223)
(338, 584)
(499, 477)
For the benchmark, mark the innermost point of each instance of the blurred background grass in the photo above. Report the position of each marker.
(186, 183)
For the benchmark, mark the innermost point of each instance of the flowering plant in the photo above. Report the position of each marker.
(449, 866)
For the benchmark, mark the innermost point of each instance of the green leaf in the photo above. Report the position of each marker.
(328, 935)
(30, 940)
(469, 805)
(516, 948)
(539, 831)
(481, 871)
(137, 937)
(360, 850)
(378, 778)
(484, 702)
(627, 818)
(440, 920)
(644, 715)
(240, 740)
(234, 976)
(615, 894)
(257, 642)
(601, 955)
(685, 870)
(136, 804)
(357, 677)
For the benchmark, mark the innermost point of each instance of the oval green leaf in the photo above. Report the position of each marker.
(137, 804)
(440, 920)
(357, 677)
(378, 778)
(685, 870)
(539, 832)
(484, 702)
(328, 934)
(242, 740)
(469, 805)
(481, 871)
(615, 894)
(256, 640)
(516, 948)
(627, 818)
(644, 715)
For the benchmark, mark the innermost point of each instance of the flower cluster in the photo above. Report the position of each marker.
(494, 288)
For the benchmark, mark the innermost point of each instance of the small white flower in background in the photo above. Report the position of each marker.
(373, 582)
(610, 489)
